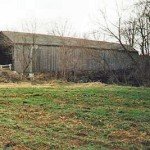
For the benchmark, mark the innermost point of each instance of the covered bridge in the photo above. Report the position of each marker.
(38, 53)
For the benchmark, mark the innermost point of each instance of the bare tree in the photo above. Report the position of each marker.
(62, 27)
(143, 26)
(131, 34)
(64, 30)
(26, 46)
(136, 31)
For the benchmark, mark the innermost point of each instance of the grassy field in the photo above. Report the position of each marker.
(65, 116)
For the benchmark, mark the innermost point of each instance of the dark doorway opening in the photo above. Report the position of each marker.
(5, 55)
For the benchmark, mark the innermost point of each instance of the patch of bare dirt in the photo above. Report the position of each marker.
(127, 136)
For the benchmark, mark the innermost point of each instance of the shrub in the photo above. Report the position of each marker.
(9, 76)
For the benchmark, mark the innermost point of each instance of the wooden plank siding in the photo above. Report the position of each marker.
(55, 54)
(56, 59)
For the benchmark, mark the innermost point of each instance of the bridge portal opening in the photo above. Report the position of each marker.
(5, 55)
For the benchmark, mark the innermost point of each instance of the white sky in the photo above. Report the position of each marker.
(81, 13)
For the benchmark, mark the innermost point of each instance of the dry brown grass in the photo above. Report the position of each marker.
(51, 83)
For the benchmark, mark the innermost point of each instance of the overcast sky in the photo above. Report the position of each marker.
(80, 13)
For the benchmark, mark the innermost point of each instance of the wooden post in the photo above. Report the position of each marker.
(10, 66)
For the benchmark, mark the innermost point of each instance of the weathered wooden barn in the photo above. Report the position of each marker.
(37, 53)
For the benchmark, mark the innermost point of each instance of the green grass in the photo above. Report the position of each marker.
(75, 116)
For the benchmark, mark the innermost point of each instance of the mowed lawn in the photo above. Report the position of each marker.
(86, 116)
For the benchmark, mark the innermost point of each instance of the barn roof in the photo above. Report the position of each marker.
(50, 40)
